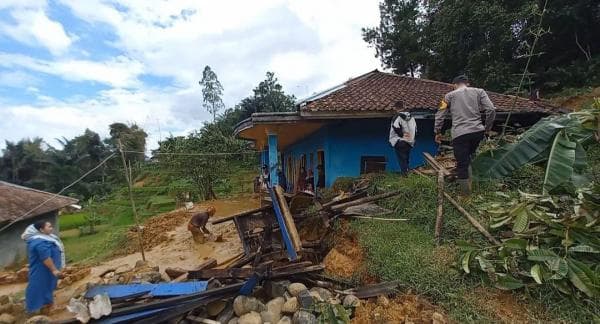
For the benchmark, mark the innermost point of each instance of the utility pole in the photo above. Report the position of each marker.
(135, 217)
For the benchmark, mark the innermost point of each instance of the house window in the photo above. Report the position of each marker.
(372, 164)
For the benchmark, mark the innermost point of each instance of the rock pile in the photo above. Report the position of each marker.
(282, 302)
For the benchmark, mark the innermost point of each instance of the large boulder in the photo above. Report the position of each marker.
(270, 317)
(290, 306)
(250, 318)
(285, 320)
(295, 288)
(244, 304)
(7, 319)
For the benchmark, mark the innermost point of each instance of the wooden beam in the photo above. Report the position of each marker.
(288, 218)
(439, 220)
(472, 220)
(435, 164)
(241, 214)
(365, 200)
(244, 273)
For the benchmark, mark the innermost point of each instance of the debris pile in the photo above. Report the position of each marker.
(155, 231)
(279, 278)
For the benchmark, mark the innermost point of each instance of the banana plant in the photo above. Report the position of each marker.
(559, 141)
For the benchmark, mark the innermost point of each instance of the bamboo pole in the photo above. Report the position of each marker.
(440, 208)
(135, 217)
(364, 200)
(471, 219)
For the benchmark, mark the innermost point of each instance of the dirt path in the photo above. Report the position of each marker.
(179, 251)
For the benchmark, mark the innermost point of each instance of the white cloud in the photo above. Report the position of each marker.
(309, 44)
(17, 79)
(152, 110)
(118, 72)
(34, 28)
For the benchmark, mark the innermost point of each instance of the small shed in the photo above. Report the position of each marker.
(343, 131)
(28, 206)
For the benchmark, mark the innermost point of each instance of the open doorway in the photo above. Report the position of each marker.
(320, 169)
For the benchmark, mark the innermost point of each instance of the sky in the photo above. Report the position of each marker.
(68, 65)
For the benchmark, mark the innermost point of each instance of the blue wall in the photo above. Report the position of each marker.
(345, 142)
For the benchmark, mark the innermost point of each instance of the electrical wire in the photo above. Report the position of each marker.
(197, 154)
(57, 194)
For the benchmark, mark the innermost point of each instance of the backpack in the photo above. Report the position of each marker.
(400, 130)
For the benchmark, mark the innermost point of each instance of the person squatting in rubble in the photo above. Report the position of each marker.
(197, 224)
(402, 138)
(46, 256)
(464, 106)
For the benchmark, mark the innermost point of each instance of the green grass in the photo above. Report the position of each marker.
(72, 221)
(405, 251)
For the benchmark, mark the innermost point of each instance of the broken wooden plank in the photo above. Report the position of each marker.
(472, 220)
(435, 164)
(174, 273)
(364, 200)
(243, 261)
(352, 197)
(244, 273)
(289, 220)
(241, 214)
(384, 288)
(285, 235)
(439, 220)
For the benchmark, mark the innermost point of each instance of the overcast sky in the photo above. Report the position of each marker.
(67, 65)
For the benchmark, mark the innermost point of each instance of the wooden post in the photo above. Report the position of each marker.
(440, 207)
(471, 219)
(135, 217)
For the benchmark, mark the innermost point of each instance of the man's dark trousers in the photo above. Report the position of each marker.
(403, 153)
(465, 147)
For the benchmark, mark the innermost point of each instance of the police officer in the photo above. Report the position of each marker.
(464, 106)
(402, 138)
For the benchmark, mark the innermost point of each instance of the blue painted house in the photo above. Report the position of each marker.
(343, 131)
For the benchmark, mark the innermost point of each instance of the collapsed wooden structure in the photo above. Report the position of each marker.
(274, 250)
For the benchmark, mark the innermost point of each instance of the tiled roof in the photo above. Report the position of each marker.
(16, 201)
(385, 92)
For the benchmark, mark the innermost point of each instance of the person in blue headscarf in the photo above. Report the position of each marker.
(46, 255)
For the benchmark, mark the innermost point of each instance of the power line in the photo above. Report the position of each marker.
(57, 194)
(197, 154)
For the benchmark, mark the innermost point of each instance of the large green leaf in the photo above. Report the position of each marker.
(508, 282)
(515, 243)
(521, 221)
(536, 273)
(559, 167)
(502, 162)
(582, 277)
(466, 260)
(541, 255)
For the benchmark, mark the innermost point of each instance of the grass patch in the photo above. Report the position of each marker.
(72, 221)
(405, 251)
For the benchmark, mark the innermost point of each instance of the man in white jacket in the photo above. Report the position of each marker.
(402, 137)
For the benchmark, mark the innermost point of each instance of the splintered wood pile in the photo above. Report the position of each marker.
(279, 274)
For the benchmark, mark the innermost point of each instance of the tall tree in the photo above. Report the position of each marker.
(212, 91)
(487, 39)
(132, 137)
(23, 161)
(268, 96)
(398, 39)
